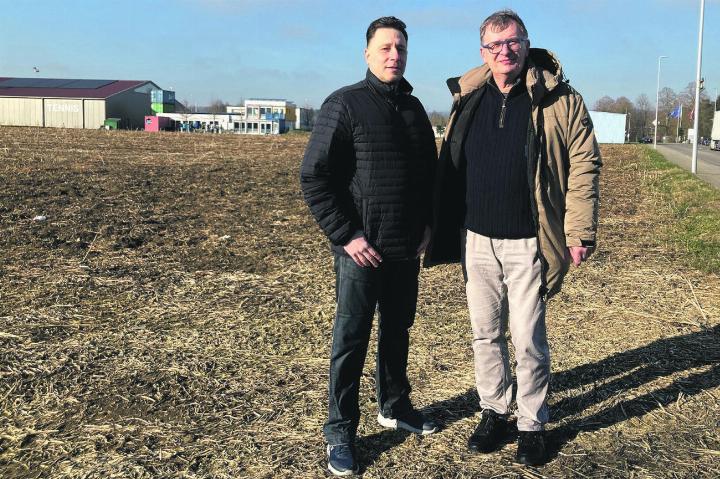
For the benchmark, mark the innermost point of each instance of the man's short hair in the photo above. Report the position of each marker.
(386, 22)
(500, 20)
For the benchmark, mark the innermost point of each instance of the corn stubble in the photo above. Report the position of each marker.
(171, 317)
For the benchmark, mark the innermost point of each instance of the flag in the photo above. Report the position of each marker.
(691, 115)
(675, 113)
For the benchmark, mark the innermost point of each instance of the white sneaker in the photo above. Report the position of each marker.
(412, 421)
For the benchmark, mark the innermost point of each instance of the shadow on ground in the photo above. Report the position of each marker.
(610, 377)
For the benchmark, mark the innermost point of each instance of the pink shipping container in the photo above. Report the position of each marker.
(156, 123)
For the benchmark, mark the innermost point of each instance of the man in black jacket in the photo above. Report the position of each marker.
(367, 177)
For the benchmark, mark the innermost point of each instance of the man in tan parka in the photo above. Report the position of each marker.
(516, 202)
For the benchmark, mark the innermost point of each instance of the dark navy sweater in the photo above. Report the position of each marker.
(498, 193)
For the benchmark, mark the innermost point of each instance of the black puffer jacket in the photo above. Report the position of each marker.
(369, 167)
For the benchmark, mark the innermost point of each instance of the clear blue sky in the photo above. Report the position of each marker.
(303, 50)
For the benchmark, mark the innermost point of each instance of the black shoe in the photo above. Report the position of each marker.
(489, 433)
(341, 460)
(531, 448)
(413, 421)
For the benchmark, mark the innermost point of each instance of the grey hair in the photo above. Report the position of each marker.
(500, 20)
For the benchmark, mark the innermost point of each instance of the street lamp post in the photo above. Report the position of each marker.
(693, 162)
(657, 101)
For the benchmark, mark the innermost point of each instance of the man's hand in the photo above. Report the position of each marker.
(424, 242)
(579, 254)
(361, 252)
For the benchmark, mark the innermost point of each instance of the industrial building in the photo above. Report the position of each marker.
(254, 117)
(609, 127)
(73, 103)
(92, 104)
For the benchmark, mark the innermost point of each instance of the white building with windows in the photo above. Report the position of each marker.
(254, 117)
(263, 116)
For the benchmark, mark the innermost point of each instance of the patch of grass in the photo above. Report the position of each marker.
(695, 207)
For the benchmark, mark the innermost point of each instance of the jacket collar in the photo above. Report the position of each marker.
(544, 74)
(389, 90)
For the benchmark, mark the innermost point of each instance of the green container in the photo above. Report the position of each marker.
(112, 123)
(163, 107)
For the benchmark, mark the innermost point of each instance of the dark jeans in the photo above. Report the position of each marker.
(393, 288)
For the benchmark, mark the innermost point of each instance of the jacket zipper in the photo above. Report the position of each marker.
(535, 141)
(501, 124)
(392, 104)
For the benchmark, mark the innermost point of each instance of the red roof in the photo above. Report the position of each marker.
(109, 89)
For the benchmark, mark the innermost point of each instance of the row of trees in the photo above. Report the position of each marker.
(216, 106)
(641, 114)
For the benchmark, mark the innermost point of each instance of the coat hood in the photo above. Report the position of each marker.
(544, 73)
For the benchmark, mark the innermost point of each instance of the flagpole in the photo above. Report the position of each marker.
(657, 102)
(696, 115)
(677, 135)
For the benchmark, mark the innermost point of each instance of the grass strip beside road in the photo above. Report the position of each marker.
(695, 207)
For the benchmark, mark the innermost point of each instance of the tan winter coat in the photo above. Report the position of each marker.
(563, 158)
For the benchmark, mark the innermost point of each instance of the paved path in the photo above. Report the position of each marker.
(708, 160)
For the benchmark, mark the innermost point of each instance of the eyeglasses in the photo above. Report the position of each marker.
(513, 44)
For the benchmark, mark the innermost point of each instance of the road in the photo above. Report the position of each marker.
(708, 166)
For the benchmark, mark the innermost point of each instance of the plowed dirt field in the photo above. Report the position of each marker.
(166, 305)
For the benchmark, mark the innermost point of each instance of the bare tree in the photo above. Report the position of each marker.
(623, 105)
(183, 107)
(606, 104)
(642, 103)
(667, 102)
(217, 106)
(310, 114)
(687, 96)
(642, 115)
(437, 118)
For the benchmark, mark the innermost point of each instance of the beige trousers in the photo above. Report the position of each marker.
(503, 279)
